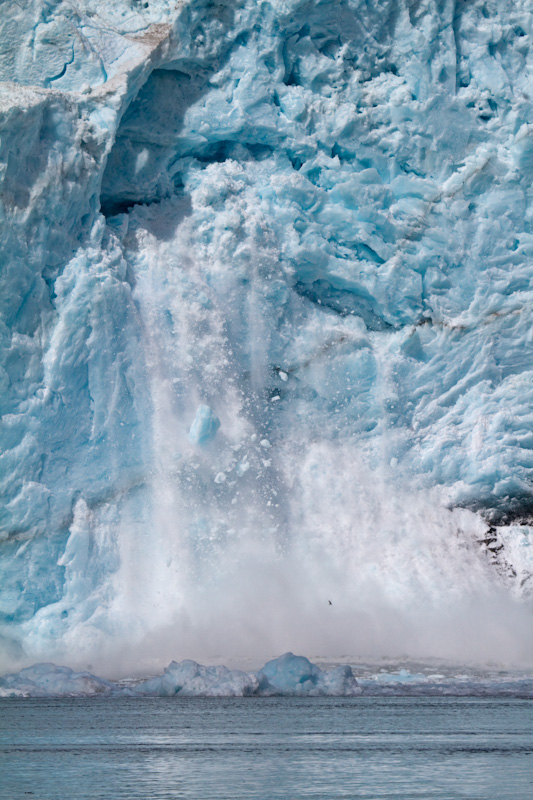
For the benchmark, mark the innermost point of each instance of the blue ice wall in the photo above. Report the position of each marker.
(312, 219)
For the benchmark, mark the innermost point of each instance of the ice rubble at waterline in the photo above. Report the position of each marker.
(286, 676)
(266, 327)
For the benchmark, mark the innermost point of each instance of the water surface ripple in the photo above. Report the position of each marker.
(367, 748)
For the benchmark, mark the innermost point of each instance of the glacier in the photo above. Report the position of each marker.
(266, 344)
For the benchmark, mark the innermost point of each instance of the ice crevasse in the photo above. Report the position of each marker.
(265, 333)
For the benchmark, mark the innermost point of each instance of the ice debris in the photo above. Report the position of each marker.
(286, 676)
(205, 426)
(49, 680)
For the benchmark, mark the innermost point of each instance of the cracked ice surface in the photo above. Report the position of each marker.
(266, 326)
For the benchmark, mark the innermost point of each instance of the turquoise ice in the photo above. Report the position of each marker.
(315, 220)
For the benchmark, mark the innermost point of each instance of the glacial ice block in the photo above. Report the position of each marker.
(292, 676)
(49, 680)
(296, 675)
(288, 675)
(189, 679)
(204, 427)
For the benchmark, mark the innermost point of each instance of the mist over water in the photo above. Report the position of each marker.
(288, 530)
(251, 602)
(275, 535)
(289, 527)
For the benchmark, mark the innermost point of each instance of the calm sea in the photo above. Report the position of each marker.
(268, 748)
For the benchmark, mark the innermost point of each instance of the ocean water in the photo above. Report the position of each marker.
(268, 748)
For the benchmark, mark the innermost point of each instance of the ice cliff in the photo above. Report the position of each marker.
(266, 326)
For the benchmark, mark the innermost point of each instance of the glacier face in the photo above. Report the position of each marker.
(266, 329)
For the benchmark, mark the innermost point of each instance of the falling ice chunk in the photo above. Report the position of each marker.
(242, 467)
(204, 427)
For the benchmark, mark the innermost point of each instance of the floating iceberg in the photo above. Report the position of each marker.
(291, 674)
(189, 679)
(286, 676)
(48, 680)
